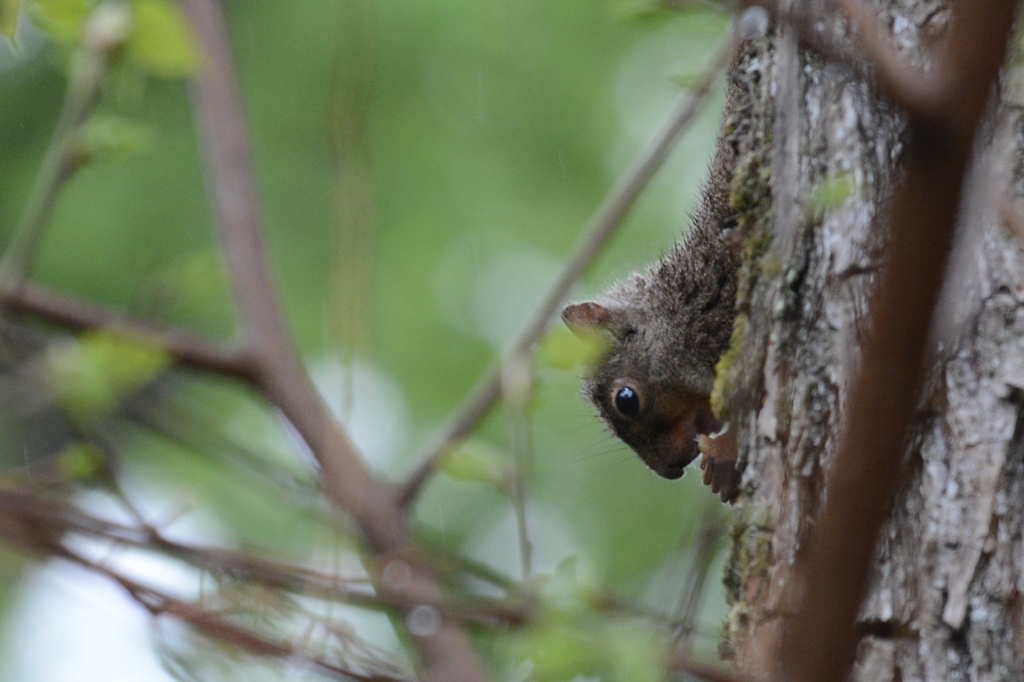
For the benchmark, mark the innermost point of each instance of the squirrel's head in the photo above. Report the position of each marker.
(649, 394)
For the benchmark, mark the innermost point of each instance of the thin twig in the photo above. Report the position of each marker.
(517, 381)
(187, 347)
(104, 31)
(59, 163)
(26, 510)
(307, 582)
(213, 624)
(445, 562)
(702, 553)
(311, 583)
(232, 186)
(595, 234)
(175, 416)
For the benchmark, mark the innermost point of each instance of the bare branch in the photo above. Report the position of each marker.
(446, 653)
(595, 234)
(77, 314)
(214, 625)
(316, 584)
(38, 525)
(308, 582)
(26, 510)
(232, 184)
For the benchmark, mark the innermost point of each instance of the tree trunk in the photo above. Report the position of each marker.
(944, 601)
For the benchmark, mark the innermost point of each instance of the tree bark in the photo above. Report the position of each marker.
(817, 165)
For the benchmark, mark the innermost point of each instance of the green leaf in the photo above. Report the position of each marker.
(687, 77)
(91, 375)
(9, 11)
(109, 137)
(637, 653)
(831, 192)
(475, 461)
(560, 649)
(162, 42)
(193, 291)
(563, 349)
(81, 462)
(62, 19)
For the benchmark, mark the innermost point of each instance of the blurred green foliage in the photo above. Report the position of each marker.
(487, 133)
(92, 374)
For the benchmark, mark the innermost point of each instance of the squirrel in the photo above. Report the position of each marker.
(665, 330)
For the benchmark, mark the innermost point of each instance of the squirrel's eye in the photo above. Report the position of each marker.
(627, 402)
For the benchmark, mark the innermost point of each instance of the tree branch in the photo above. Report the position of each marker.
(214, 625)
(77, 314)
(19, 509)
(445, 652)
(232, 186)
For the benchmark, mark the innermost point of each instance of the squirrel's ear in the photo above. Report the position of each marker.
(587, 317)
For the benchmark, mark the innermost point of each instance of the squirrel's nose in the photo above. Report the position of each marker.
(670, 471)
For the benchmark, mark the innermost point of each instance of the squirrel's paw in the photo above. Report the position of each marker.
(718, 462)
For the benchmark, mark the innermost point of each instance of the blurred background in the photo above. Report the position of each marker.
(425, 168)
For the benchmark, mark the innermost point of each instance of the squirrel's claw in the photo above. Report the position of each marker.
(718, 462)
